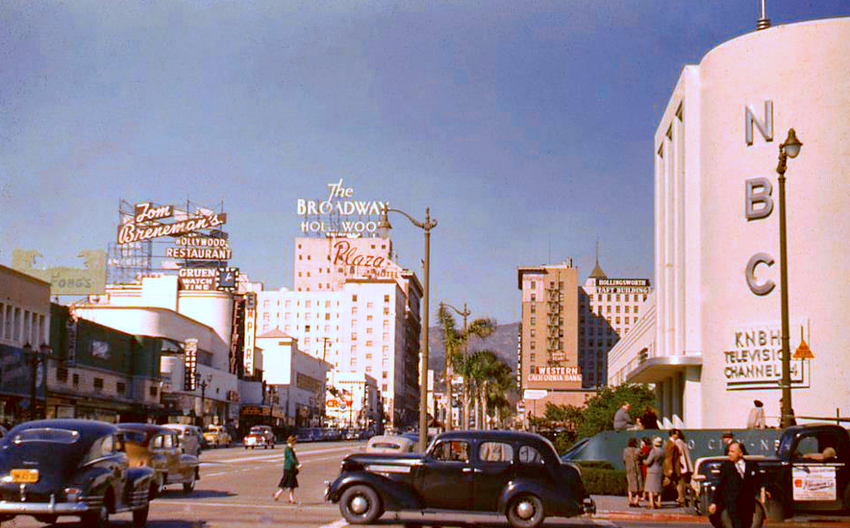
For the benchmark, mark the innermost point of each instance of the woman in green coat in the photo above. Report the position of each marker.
(290, 470)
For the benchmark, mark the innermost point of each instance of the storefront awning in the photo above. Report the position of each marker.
(657, 369)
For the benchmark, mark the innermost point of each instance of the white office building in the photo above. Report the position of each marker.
(715, 346)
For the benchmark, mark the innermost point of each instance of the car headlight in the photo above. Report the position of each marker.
(73, 494)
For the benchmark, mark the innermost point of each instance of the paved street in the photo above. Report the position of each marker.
(236, 487)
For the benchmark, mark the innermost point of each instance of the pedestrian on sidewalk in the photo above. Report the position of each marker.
(645, 448)
(654, 466)
(728, 438)
(736, 491)
(649, 419)
(672, 467)
(291, 467)
(756, 418)
(686, 469)
(631, 459)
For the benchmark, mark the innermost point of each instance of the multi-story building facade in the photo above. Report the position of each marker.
(548, 368)
(716, 340)
(356, 309)
(196, 328)
(608, 310)
(24, 319)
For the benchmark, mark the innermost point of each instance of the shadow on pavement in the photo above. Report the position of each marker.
(496, 522)
(197, 494)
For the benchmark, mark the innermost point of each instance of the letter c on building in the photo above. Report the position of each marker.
(759, 288)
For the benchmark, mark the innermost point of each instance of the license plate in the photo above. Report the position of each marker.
(25, 476)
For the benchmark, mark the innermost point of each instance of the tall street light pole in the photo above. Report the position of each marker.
(450, 365)
(36, 357)
(204, 383)
(789, 149)
(425, 226)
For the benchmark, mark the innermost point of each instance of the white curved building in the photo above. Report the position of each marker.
(717, 304)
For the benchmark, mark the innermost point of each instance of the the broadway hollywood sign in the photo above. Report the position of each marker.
(147, 223)
(339, 214)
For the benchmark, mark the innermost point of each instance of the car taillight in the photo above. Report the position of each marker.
(73, 494)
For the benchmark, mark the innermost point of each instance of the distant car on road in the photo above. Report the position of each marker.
(77, 468)
(259, 436)
(189, 436)
(159, 448)
(389, 444)
(217, 436)
(515, 474)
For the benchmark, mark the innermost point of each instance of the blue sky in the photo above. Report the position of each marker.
(526, 127)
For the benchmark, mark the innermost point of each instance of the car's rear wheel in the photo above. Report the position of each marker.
(189, 487)
(360, 504)
(525, 511)
(140, 516)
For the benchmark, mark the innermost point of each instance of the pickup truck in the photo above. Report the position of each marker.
(809, 472)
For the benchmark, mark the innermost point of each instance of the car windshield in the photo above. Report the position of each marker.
(257, 430)
(135, 437)
(47, 434)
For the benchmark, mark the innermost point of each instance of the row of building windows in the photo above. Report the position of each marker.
(97, 383)
(22, 326)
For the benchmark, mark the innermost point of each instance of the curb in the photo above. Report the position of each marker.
(650, 517)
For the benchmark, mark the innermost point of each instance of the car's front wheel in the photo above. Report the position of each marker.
(140, 516)
(189, 487)
(96, 519)
(360, 504)
(525, 511)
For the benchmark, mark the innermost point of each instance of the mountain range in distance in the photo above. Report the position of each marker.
(502, 342)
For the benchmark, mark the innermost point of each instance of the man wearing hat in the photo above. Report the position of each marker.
(728, 438)
(756, 419)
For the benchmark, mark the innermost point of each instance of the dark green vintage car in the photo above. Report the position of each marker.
(514, 474)
(56, 468)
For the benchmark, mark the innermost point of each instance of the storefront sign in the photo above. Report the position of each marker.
(64, 280)
(754, 359)
(199, 253)
(339, 214)
(556, 374)
(100, 350)
(190, 359)
(71, 325)
(198, 279)
(250, 325)
(146, 223)
(814, 483)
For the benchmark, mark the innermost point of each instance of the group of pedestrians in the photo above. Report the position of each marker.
(654, 466)
(623, 420)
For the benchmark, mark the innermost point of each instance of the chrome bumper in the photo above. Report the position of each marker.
(43, 508)
(589, 506)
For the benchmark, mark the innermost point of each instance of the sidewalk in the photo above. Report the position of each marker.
(617, 508)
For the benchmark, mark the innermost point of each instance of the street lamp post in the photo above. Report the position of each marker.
(426, 227)
(450, 367)
(35, 357)
(789, 149)
(203, 384)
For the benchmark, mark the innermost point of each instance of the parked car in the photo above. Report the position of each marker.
(389, 444)
(78, 468)
(189, 436)
(515, 474)
(259, 436)
(159, 448)
(217, 436)
(810, 472)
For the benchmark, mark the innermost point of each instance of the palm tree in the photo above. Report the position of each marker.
(492, 377)
(457, 351)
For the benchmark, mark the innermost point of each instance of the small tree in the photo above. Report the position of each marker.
(599, 411)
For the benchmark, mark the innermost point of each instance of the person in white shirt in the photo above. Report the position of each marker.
(756, 418)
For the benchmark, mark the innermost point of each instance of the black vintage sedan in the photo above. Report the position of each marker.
(53, 468)
(514, 474)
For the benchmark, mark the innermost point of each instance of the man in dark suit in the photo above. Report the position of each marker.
(736, 491)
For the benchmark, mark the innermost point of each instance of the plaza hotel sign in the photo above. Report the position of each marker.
(339, 215)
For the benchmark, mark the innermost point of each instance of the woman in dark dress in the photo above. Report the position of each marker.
(290, 471)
